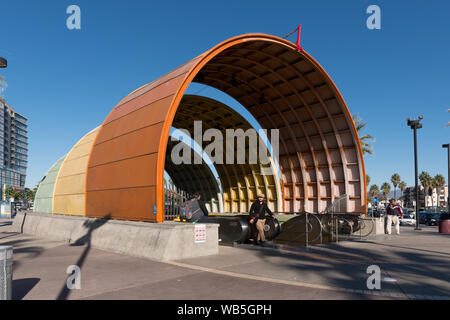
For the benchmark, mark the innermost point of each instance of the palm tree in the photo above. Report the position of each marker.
(367, 179)
(438, 182)
(374, 190)
(365, 139)
(395, 179)
(402, 186)
(426, 181)
(386, 188)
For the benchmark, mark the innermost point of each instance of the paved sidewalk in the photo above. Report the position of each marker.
(419, 263)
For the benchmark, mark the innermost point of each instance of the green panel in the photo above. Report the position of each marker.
(44, 194)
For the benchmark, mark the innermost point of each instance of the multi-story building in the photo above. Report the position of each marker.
(410, 197)
(13, 147)
(438, 197)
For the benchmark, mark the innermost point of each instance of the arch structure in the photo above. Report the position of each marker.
(320, 157)
(241, 182)
(192, 178)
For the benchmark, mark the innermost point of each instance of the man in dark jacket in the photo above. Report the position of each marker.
(258, 212)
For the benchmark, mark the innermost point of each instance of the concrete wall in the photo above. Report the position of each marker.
(164, 241)
(372, 226)
(43, 200)
(69, 195)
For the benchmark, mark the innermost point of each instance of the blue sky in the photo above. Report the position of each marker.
(66, 82)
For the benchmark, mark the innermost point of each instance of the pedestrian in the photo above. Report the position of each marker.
(393, 212)
(201, 203)
(194, 209)
(258, 212)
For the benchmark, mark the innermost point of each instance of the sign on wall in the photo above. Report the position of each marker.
(200, 233)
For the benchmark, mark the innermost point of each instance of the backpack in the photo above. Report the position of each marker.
(190, 210)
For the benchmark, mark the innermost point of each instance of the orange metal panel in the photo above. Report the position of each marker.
(130, 145)
(155, 111)
(134, 172)
(127, 204)
(171, 75)
(160, 92)
(132, 166)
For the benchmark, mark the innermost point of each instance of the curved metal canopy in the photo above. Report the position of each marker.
(320, 154)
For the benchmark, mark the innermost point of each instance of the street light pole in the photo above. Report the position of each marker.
(448, 175)
(415, 124)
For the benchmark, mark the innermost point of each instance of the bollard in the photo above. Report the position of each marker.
(6, 271)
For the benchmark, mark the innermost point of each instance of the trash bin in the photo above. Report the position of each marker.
(6, 272)
(444, 223)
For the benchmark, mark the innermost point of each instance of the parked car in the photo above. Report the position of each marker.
(407, 220)
(422, 217)
(432, 219)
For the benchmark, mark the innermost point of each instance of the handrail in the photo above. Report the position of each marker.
(337, 225)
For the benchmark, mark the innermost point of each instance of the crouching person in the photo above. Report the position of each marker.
(194, 209)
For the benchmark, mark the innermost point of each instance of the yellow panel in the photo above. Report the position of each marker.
(70, 204)
(83, 149)
(75, 167)
(69, 195)
(74, 184)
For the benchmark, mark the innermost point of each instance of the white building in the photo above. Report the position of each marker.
(438, 197)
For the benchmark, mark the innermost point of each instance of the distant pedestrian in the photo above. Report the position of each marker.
(393, 212)
(258, 212)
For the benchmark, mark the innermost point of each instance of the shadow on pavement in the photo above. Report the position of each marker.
(19, 246)
(90, 225)
(21, 287)
(401, 247)
(5, 223)
(421, 272)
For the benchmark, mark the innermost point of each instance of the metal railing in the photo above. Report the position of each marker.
(173, 200)
(311, 228)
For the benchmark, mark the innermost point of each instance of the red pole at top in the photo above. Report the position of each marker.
(300, 49)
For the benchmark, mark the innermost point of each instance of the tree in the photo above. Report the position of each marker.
(30, 194)
(9, 192)
(17, 195)
(374, 191)
(395, 179)
(13, 193)
(402, 186)
(386, 188)
(438, 182)
(367, 179)
(427, 182)
(365, 139)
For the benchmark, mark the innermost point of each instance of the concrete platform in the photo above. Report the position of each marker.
(162, 241)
